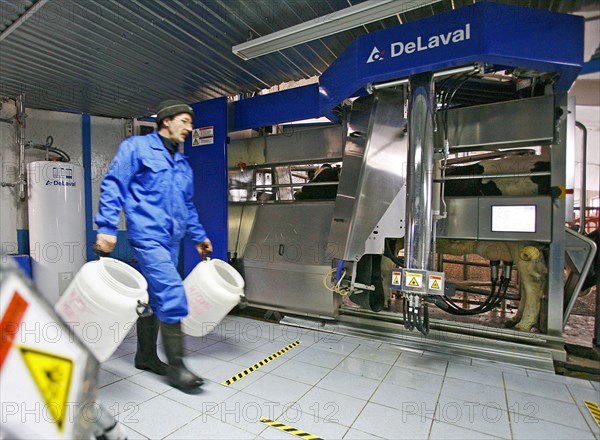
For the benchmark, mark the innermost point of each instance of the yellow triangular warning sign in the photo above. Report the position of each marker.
(435, 285)
(396, 280)
(52, 375)
(413, 282)
(196, 142)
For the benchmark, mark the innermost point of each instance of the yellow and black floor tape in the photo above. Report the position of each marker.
(259, 364)
(594, 410)
(289, 429)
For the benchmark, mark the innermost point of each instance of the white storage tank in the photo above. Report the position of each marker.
(57, 238)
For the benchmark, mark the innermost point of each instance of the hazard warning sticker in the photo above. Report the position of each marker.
(52, 375)
(396, 276)
(203, 136)
(413, 279)
(435, 282)
(9, 325)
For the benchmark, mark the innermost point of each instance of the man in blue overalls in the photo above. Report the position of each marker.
(151, 180)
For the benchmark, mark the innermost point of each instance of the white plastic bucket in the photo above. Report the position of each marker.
(100, 304)
(213, 288)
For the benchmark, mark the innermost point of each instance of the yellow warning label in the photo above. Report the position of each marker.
(52, 375)
(195, 142)
(396, 278)
(594, 410)
(435, 282)
(414, 279)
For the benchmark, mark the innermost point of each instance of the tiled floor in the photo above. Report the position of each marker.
(340, 387)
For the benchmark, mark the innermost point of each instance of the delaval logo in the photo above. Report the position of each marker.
(434, 41)
(376, 55)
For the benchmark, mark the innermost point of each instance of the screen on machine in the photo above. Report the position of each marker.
(513, 218)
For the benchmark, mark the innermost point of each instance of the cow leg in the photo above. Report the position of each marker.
(386, 278)
(533, 270)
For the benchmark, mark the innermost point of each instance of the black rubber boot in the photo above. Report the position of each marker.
(179, 376)
(146, 357)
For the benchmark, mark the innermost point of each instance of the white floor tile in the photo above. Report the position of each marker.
(418, 362)
(244, 411)
(531, 407)
(355, 434)
(328, 406)
(301, 372)
(158, 417)
(365, 368)
(151, 381)
(473, 392)
(349, 384)
(124, 397)
(384, 354)
(407, 400)
(277, 389)
(548, 431)
(446, 431)
(322, 358)
(210, 394)
(389, 423)
(483, 375)
(341, 346)
(538, 387)
(488, 419)
(207, 428)
(418, 380)
(105, 377)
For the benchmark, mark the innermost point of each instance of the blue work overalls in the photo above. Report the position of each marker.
(156, 192)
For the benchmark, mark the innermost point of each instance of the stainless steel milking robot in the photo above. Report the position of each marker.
(481, 78)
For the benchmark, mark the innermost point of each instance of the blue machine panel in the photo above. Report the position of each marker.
(275, 108)
(209, 162)
(497, 34)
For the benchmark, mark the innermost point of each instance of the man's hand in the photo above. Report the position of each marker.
(204, 248)
(105, 242)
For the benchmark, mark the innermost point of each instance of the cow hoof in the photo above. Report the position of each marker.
(524, 327)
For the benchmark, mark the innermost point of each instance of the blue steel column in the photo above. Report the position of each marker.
(86, 146)
(419, 179)
(209, 163)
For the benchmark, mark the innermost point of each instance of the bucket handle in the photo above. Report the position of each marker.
(143, 310)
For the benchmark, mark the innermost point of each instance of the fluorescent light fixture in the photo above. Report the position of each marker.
(342, 20)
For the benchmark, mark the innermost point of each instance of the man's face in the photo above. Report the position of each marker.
(179, 127)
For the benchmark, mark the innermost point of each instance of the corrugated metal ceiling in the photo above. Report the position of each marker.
(122, 57)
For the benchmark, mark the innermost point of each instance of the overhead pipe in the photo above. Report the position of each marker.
(583, 196)
(21, 116)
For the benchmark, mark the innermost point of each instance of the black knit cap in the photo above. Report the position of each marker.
(170, 108)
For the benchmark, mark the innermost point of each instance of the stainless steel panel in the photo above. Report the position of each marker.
(287, 257)
(470, 218)
(512, 123)
(373, 172)
(462, 220)
(306, 144)
(552, 306)
(241, 218)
